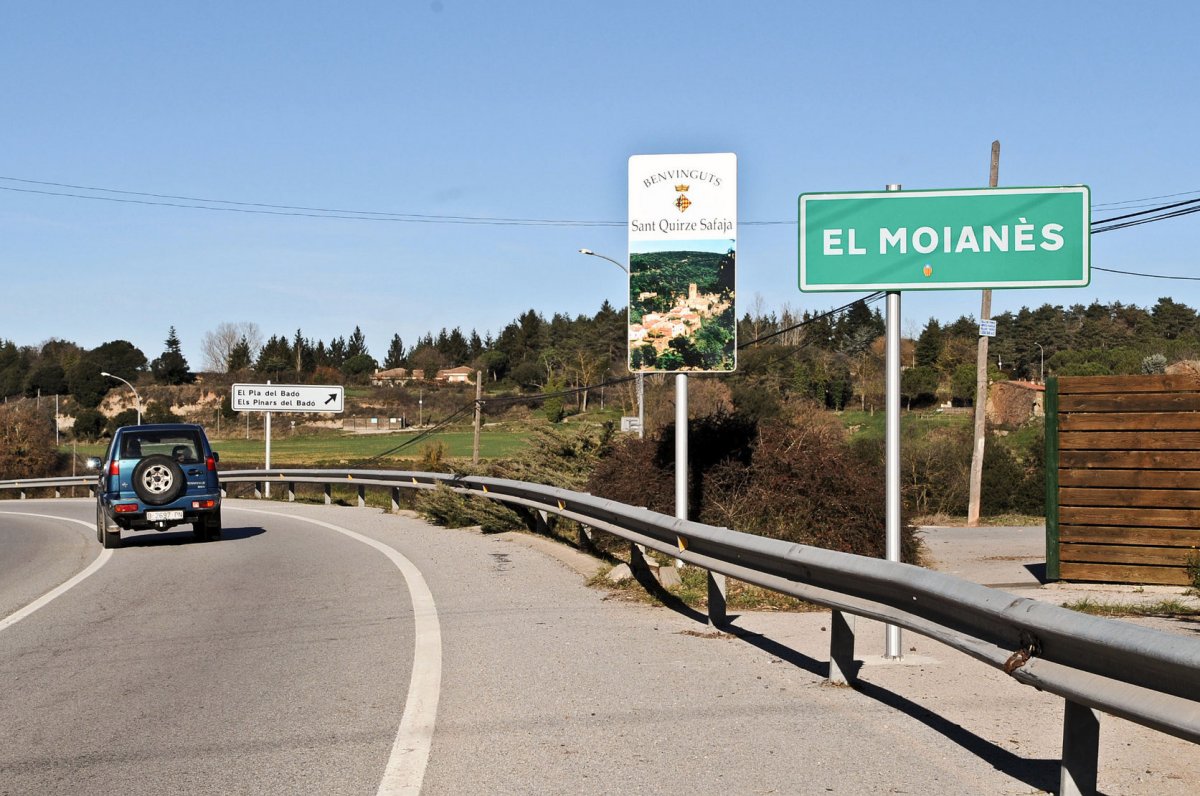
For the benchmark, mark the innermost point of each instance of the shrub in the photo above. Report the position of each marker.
(158, 412)
(127, 417)
(798, 481)
(554, 457)
(89, 424)
(26, 441)
(935, 470)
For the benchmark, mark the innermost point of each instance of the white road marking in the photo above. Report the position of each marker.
(63, 588)
(410, 752)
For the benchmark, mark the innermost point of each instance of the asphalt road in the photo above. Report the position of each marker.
(288, 658)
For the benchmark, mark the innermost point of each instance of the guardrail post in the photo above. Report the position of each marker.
(92, 492)
(1081, 750)
(395, 498)
(637, 559)
(57, 492)
(328, 494)
(545, 523)
(841, 648)
(718, 615)
(21, 494)
(258, 490)
(585, 537)
(362, 495)
(291, 491)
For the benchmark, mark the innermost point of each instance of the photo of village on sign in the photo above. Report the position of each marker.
(681, 313)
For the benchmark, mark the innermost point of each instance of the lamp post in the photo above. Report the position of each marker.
(641, 377)
(591, 253)
(1041, 363)
(136, 397)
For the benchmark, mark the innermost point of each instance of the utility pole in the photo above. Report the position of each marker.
(981, 381)
(478, 415)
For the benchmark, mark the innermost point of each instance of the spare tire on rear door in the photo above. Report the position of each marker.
(158, 480)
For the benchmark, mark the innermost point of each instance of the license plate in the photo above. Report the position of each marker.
(158, 516)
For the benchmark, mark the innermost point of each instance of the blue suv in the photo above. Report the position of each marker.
(156, 477)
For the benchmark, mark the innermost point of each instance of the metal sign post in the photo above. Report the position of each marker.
(892, 436)
(267, 435)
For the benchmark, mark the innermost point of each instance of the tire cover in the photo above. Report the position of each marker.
(158, 480)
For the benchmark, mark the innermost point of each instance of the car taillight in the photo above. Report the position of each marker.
(125, 508)
(114, 467)
(203, 504)
(211, 464)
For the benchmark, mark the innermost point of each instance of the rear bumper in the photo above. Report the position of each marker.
(136, 520)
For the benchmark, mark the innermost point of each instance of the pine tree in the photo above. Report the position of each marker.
(239, 355)
(171, 367)
(395, 355)
(357, 344)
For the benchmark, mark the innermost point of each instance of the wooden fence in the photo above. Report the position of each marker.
(1123, 479)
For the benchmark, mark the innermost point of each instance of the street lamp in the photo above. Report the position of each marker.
(1041, 364)
(641, 377)
(136, 397)
(591, 253)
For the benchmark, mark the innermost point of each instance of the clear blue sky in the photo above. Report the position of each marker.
(530, 110)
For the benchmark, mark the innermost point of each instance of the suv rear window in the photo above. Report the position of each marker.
(182, 446)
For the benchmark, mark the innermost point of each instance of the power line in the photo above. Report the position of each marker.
(1139, 222)
(1146, 199)
(873, 297)
(1150, 276)
(1185, 203)
(344, 214)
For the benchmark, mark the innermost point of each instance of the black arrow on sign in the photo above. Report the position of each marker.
(332, 397)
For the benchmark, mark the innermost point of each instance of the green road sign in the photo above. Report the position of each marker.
(943, 240)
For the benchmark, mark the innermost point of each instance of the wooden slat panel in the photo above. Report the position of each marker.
(1129, 460)
(1131, 479)
(1068, 385)
(1114, 534)
(1130, 440)
(1142, 518)
(1050, 400)
(1129, 421)
(1131, 498)
(1126, 554)
(1167, 576)
(1131, 402)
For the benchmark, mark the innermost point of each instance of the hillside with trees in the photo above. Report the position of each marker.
(790, 364)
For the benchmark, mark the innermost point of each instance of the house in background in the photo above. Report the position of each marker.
(1012, 403)
(390, 377)
(460, 375)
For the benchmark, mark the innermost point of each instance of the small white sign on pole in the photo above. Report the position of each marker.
(987, 328)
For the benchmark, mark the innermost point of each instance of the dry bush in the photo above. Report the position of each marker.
(26, 441)
(804, 485)
(706, 396)
(555, 457)
(795, 480)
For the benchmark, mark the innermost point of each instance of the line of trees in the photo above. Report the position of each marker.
(834, 360)
(838, 360)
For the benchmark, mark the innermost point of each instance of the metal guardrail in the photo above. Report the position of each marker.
(1095, 664)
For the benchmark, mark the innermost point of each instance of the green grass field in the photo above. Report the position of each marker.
(873, 426)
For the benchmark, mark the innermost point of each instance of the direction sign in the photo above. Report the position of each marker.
(287, 398)
(939, 240)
